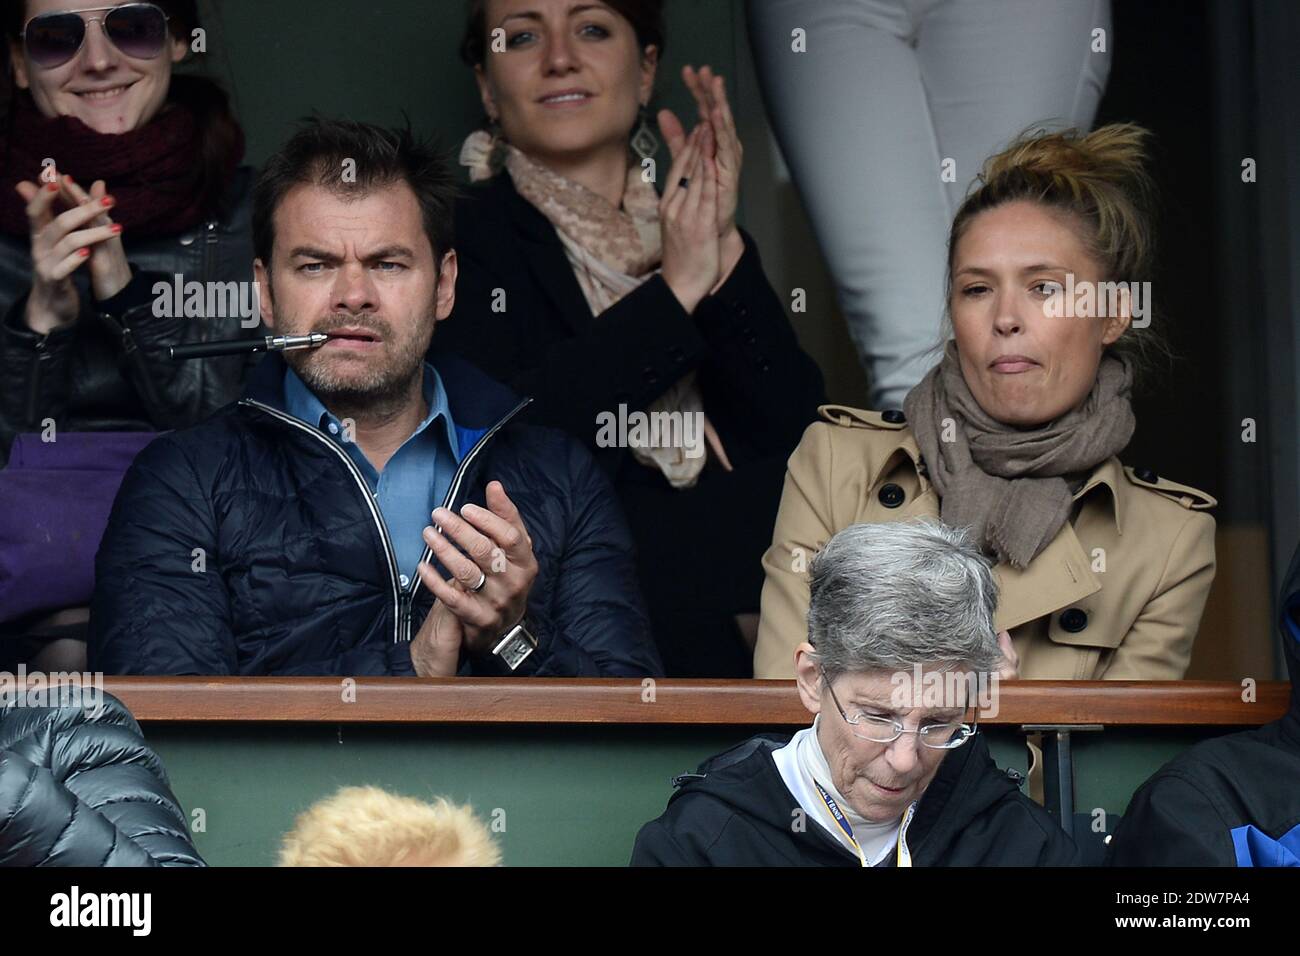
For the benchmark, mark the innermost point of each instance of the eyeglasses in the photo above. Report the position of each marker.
(885, 730)
(138, 30)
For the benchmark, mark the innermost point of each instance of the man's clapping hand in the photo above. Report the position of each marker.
(491, 545)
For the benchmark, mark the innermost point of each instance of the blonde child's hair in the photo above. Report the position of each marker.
(367, 826)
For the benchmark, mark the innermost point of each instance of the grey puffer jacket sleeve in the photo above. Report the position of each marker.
(79, 786)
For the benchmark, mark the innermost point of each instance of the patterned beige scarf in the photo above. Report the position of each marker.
(612, 251)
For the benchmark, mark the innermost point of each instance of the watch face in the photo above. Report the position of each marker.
(515, 652)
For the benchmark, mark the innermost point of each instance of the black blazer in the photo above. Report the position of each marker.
(537, 334)
(521, 316)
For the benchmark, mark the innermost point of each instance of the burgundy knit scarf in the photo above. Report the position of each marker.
(152, 171)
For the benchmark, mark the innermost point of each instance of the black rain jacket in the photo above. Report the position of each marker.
(1231, 801)
(736, 811)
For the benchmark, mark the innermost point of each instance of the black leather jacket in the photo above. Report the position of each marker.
(109, 370)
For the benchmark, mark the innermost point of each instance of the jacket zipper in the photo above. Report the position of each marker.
(131, 351)
(209, 244)
(34, 390)
(402, 597)
(365, 493)
(453, 490)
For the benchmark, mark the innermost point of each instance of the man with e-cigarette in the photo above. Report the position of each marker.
(358, 510)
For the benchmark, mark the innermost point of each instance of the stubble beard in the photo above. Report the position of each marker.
(378, 390)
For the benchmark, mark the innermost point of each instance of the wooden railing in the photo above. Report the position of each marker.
(663, 701)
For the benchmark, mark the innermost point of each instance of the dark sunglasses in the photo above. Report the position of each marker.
(138, 30)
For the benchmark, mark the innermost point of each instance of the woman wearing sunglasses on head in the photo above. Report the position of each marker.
(608, 303)
(114, 174)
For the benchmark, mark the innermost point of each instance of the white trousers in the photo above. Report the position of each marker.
(887, 97)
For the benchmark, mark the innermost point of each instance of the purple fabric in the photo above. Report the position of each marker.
(54, 503)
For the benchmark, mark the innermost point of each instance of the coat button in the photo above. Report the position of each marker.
(893, 416)
(891, 495)
(1074, 619)
(1146, 474)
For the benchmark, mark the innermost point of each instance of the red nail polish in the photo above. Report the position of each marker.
(107, 201)
(52, 187)
(83, 252)
(116, 227)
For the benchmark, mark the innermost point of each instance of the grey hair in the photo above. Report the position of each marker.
(890, 596)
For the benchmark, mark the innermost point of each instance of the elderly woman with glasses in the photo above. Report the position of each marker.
(901, 656)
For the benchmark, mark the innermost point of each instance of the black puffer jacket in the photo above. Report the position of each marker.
(80, 787)
(294, 570)
(109, 371)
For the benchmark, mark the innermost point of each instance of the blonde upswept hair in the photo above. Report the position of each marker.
(1102, 180)
(367, 826)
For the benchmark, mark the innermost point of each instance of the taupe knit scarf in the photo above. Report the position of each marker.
(1013, 487)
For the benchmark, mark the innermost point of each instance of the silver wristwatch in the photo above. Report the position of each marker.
(515, 646)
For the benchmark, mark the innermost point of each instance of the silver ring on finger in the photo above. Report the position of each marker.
(482, 580)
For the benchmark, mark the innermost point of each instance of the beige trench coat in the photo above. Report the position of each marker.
(1117, 594)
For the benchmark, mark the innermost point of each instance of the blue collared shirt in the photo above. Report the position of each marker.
(417, 476)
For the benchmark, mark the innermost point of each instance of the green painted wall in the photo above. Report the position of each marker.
(571, 795)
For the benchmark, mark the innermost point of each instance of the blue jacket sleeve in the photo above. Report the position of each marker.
(593, 623)
(160, 604)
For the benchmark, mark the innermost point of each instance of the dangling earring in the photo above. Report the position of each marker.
(482, 152)
(644, 142)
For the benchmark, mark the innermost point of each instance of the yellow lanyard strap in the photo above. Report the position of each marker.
(903, 854)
